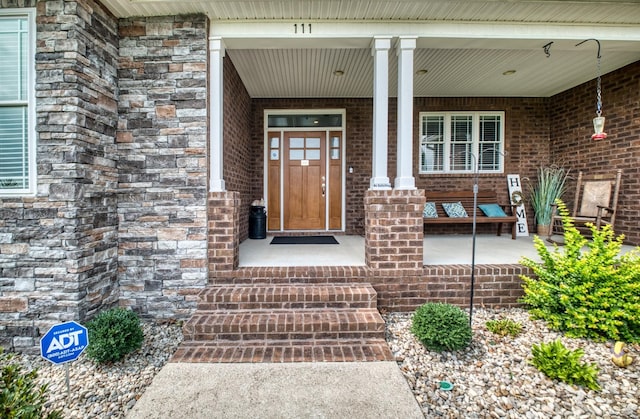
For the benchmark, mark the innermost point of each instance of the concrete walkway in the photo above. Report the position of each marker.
(269, 390)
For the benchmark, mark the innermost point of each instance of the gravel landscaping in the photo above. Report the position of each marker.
(491, 378)
(106, 391)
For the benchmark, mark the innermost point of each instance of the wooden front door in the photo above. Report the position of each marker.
(305, 180)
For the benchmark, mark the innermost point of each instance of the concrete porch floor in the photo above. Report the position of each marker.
(438, 250)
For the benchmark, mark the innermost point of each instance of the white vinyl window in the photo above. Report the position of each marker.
(461, 142)
(17, 133)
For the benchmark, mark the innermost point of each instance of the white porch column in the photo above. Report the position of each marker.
(216, 55)
(380, 51)
(404, 50)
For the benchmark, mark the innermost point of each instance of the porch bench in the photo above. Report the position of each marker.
(466, 199)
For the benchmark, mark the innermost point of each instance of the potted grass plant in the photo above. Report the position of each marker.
(551, 184)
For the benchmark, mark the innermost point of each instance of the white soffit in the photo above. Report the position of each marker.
(465, 45)
(549, 11)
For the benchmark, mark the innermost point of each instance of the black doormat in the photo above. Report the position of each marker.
(304, 240)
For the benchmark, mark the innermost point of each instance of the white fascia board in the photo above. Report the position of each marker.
(358, 34)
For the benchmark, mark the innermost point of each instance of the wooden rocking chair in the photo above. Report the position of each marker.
(595, 202)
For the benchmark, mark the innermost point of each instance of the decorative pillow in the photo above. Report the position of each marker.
(454, 209)
(430, 210)
(492, 210)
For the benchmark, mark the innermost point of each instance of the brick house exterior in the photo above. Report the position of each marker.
(124, 215)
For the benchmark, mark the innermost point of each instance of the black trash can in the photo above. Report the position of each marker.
(257, 222)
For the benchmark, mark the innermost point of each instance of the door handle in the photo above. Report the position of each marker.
(323, 189)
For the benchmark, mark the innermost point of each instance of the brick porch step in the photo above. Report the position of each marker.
(283, 296)
(284, 351)
(285, 323)
(290, 324)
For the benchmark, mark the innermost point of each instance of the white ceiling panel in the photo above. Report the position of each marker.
(305, 72)
(450, 72)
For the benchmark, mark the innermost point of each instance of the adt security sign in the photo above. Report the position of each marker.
(64, 342)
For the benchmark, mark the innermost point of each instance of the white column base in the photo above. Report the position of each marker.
(405, 183)
(217, 186)
(380, 184)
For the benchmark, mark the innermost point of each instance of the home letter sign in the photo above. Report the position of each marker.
(516, 197)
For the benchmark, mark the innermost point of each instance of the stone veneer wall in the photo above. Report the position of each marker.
(571, 130)
(58, 250)
(162, 147)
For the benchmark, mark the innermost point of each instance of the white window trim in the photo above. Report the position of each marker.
(30, 14)
(476, 141)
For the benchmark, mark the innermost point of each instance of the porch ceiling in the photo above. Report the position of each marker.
(464, 45)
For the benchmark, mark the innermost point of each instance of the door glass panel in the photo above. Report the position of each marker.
(310, 120)
(296, 154)
(296, 142)
(313, 142)
(313, 154)
(335, 142)
(335, 154)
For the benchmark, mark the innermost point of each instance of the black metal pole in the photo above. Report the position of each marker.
(473, 249)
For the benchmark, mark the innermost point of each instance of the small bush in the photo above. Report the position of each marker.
(558, 362)
(113, 334)
(19, 395)
(441, 327)
(504, 327)
(593, 293)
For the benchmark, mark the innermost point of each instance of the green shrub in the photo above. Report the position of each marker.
(593, 293)
(441, 327)
(113, 334)
(558, 362)
(504, 327)
(19, 395)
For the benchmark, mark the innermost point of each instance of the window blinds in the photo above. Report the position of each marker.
(14, 140)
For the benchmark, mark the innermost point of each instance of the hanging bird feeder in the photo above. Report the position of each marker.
(598, 121)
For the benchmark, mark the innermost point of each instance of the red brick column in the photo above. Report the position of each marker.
(394, 229)
(223, 231)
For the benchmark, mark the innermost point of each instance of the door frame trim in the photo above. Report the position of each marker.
(325, 130)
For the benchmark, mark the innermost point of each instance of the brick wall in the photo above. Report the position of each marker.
(162, 147)
(393, 233)
(526, 134)
(58, 250)
(526, 148)
(405, 290)
(571, 129)
(494, 286)
(224, 231)
(359, 114)
(238, 133)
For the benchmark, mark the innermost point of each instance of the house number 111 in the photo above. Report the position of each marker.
(303, 27)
